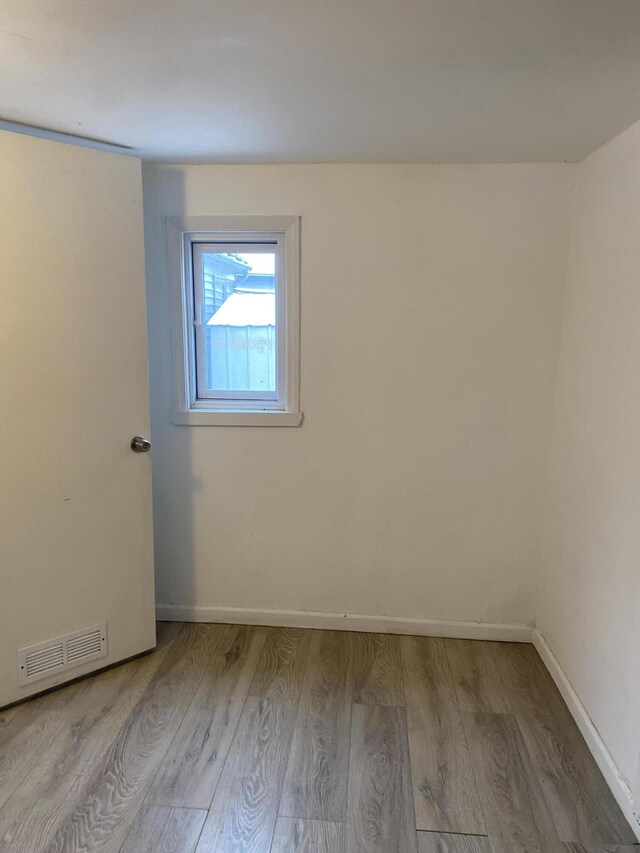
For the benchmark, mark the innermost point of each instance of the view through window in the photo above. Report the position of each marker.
(238, 327)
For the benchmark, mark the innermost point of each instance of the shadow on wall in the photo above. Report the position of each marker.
(172, 448)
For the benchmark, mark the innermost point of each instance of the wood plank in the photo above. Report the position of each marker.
(380, 809)
(29, 732)
(439, 842)
(513, 806)
(571, 847)
(159, 829)
(444, 788)
(107, 804)
(280, 670)
(479, 687)
(6, 715)
(93, 712)
(377, 669)
(579, 800)
(191, 769)
(293, 835)
(244, 810)
(316, 781)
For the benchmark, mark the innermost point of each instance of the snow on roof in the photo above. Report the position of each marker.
(246, 309)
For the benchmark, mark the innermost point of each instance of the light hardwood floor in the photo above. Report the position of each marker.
(235, 739)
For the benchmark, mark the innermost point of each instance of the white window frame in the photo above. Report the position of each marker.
(186, 236)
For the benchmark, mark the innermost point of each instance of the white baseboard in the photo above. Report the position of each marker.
(614, 778)
(346, 622)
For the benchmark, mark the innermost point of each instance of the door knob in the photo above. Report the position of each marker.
(140, 444)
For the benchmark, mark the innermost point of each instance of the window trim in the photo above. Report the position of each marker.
(182, 233)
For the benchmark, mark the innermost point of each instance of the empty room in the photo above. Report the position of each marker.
(320, 434)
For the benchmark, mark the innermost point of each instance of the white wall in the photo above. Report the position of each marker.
(589, 609)
(431, 306)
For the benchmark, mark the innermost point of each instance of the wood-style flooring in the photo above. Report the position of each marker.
(237, 739)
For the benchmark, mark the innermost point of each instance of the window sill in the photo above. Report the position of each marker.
(262, 418)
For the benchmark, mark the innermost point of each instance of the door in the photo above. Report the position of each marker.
(75, 500)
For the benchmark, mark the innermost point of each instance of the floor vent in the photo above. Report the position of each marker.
(53, 656)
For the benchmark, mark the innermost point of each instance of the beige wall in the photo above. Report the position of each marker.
(589, 608)
(431, 305)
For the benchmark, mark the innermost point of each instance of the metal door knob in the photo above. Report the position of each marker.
(140, 444)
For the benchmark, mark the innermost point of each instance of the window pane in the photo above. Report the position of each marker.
(239, 295)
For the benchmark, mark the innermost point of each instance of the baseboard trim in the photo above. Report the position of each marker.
(346, 622)
(614, 778)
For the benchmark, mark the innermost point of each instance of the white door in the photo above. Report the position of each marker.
(75, 501)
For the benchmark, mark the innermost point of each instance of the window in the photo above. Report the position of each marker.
(235, 283)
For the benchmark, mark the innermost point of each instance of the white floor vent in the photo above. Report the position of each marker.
(53, 656)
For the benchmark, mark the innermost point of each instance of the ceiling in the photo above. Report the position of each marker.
(406, 81)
